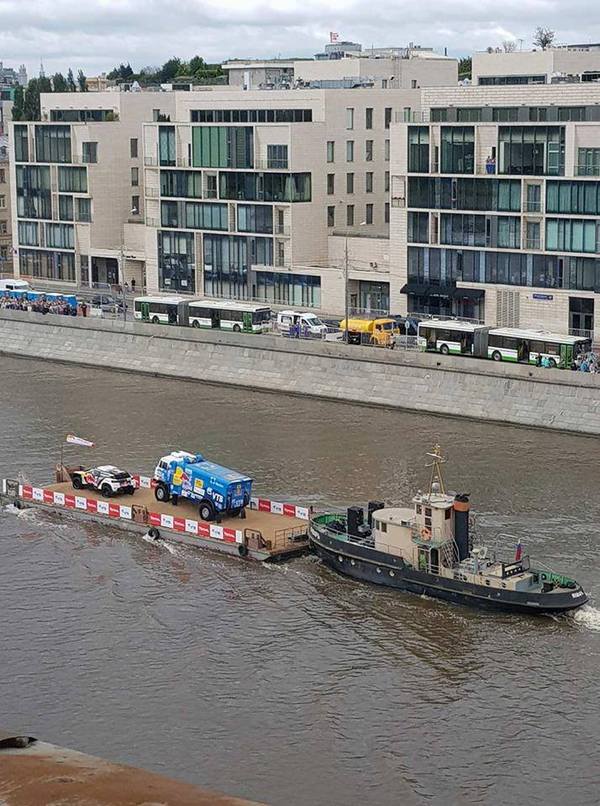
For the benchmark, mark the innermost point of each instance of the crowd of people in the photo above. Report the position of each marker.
(587, 362)
(42, 304)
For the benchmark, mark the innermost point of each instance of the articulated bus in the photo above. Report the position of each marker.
(500, 344)
(206, 313)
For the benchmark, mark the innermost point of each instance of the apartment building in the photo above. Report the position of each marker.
(496, 206)
(6, 247)
(566, 64)
(77, 187)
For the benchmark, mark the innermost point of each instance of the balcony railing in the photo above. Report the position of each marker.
(585, 334)
(533, 206)
(281, 229)
(151, 162)
(183, 162)
(533, 243)
(272, 165)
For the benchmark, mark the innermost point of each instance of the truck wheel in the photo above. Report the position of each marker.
(233, 513)
(444, 349)
(243, 550)
(497, 356)
(195, 323)
(161, 493)
(77, 483)
(206, 511)
(130, 490)
(106, 490)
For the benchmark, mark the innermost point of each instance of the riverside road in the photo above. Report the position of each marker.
(287, 684)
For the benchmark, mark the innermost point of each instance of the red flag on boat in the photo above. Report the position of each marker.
(518, 552)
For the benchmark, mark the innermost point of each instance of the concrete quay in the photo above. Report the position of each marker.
(444, 385)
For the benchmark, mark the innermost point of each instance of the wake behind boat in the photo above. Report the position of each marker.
(428, 549)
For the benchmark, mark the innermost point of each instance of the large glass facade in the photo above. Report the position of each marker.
(418, 227)
(184, 184)
(29, 233)
(53, 144)
(72, 180)
(227, 260)
(193, 215)
(255, 218)
(251, 115)
(273, 187)
(573, 197)
(438, 266)
(222, 147)
(33, 191)
(571, 235)
(176, 261)
(458, 149)
(588, 161)
(531, 150)
(464, 193)
(47, 265)
(418, 149)
(288, 289)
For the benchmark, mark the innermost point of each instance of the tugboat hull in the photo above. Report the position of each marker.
(368, 565)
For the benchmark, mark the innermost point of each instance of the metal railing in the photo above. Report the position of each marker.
(533, 206)
(533, 243)
(272, 165)
(587, 170)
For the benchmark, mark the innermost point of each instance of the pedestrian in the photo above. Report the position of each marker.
(538, 360)
(84, 308)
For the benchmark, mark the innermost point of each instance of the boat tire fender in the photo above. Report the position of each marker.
(17, 503)
(243, 550)
(153, 533)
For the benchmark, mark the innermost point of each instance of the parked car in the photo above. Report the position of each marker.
(105, 479)
(107, 303)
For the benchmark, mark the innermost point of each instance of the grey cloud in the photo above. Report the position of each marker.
(99, 33)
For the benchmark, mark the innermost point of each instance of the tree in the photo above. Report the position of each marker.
(543, 37)
(71, 81)
(59, 83)
(17, 110)
(122, 72)
(509, 45)
(196, 65)
(169, 69)
(464, 68)
(31, 100)
(81, 81)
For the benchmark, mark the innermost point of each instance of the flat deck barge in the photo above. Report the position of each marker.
(270, 531)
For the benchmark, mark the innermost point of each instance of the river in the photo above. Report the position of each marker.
(288, 684)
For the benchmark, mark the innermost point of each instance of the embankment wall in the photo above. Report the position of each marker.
(444, 385)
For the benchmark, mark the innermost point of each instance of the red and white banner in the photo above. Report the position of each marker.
(276, 508)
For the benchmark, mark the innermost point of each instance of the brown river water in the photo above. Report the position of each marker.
(288, 684)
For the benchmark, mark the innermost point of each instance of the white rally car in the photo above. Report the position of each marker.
(105, 479)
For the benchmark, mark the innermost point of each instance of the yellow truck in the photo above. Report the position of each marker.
(379, 332)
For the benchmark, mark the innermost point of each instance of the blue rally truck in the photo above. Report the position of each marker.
(218, 490)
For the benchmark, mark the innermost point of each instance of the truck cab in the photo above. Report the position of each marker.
(219, 491)
(379, 332)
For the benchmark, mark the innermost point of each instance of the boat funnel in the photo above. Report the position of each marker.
(461, 525)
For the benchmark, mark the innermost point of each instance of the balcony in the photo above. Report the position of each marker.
(587, 170)
(272, 165)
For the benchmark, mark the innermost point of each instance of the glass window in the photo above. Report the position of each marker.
(369, 117)
(369, 182)
(532, 150)
(573, 197)
(458, 149)
(60, 236)
(505, 114)
(224, 147)
(349, 150)
(65, 208)
(21, 144)
(331, 216)
(227, 260)
(84, 209)
(166, 145)
(133, 147)
(89, 152)
(386, 212)
(53, 143)
(349, 215)
(176, 261)
(439, 115)
(29, 233)
(251, 217)
(33, 191)
(386, 181)
(47, 265)
(369, 150)
(468, 114)
(571, 235)
(350, 183)
(277, 157)
(418, 227)
(330, 184)
(349, 118)
(135, 176)
(369, 214)
(387, 117)
(418, 149)
(286, 288)
(588, 161)
(509, 232)
(72, 180)
(331, 151)
(186, 184)
(386, 150)
(272, 187)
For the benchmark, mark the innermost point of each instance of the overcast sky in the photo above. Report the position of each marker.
(97, 34)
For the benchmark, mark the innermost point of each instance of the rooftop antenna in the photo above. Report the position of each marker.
(436, 469)
(42, 74)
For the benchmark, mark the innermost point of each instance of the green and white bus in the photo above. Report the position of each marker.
(525, 346)
(450, 336)
(158, 310)
(229, 315)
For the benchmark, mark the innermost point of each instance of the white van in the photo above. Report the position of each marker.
(308, 324)
(13, 284)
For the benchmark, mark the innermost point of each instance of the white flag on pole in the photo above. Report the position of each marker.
(71, 439)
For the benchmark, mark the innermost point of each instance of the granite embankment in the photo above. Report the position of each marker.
(465, 387)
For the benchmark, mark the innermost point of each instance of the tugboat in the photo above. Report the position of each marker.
(428, 549)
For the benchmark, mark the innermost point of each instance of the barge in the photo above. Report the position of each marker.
(428, 549)
(271, 530)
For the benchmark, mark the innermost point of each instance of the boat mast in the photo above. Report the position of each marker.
(436, 469)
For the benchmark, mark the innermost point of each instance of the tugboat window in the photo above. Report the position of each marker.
(383, 527)
(448, 513)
